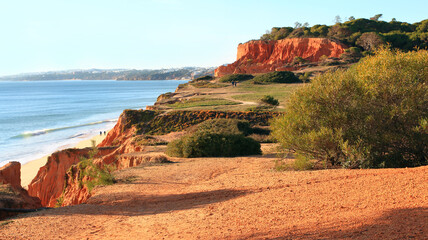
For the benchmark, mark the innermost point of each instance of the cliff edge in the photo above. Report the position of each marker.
(12, 195)
(267, 56)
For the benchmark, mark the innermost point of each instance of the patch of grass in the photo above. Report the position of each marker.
(97, 176)
(144, 140)
(301, 163)
(280, 165)
(204, 84)
(281, 92)
(59, 201)
(200, 102)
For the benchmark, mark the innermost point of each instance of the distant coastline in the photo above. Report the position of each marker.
(185, 73)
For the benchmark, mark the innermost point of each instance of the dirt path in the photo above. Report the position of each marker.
(241, 198)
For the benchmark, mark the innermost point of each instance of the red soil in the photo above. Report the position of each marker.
(241, 198)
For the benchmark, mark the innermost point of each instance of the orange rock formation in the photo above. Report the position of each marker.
(267, 56)
(55, 180)
(16, 197)
(48, 184)
(11, 174)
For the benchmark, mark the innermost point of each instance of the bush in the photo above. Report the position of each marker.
(268, 99)
(305, 77)
(373, 115)
(97, 176)
(206, 84)
(203, 144)
(225, 126)
(298, 60)
(276, 77)
(236, 78)
(203, 78)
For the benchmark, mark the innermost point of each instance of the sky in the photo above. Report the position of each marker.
(48, 35)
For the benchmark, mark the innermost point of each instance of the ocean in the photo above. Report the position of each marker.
(40, 117)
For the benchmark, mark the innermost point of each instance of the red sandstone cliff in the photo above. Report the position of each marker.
(15, 196)
(60, 176)
(11, 174)
(267, 56)
(48, 184)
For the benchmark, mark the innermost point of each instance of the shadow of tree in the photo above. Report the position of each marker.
(127, 204)
(409, 223)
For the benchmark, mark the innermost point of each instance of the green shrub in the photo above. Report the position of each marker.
(302, 163)
(204, 78)
(330, 63)
(97, 176)
(268, 99)
(202, 144)
(305, 77)
(205, 84)
(225, 126)
(261, 138)
(276, 77)
(236, 78)
(373, 115)
(299, 60)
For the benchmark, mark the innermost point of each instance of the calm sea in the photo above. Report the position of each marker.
(40, 117)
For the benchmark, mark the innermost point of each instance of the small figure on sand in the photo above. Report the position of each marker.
(233, 83)
(101, 133)
(104, 132)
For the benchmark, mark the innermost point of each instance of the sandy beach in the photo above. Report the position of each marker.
(29, 170)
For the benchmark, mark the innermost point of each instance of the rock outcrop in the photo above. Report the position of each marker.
(268, 56)
(60, 177)
(12, 195)
(62, 181)
(11, 174)
(49, 182)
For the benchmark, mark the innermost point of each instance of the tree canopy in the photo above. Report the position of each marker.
(399, 35)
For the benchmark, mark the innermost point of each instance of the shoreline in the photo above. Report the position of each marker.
(30, 169)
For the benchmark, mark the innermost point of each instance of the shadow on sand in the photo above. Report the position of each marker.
(131, 204)
(408, 223)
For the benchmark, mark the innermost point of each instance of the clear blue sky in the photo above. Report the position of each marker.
(47, 35)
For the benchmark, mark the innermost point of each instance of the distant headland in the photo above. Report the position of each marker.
(115, 74)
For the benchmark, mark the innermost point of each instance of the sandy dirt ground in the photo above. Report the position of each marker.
(29, 170)
(240, 198)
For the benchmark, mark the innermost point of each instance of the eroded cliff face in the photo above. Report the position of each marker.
(61, 180)
(12, 195)
(11, 174)
(60, 177)
(48, 184)
(267, 56)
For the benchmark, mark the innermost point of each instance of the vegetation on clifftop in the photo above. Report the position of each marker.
(216, 138)
(364, 33)
(373, 115)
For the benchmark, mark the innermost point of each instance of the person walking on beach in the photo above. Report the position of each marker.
(101, 133)
(104, 132)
